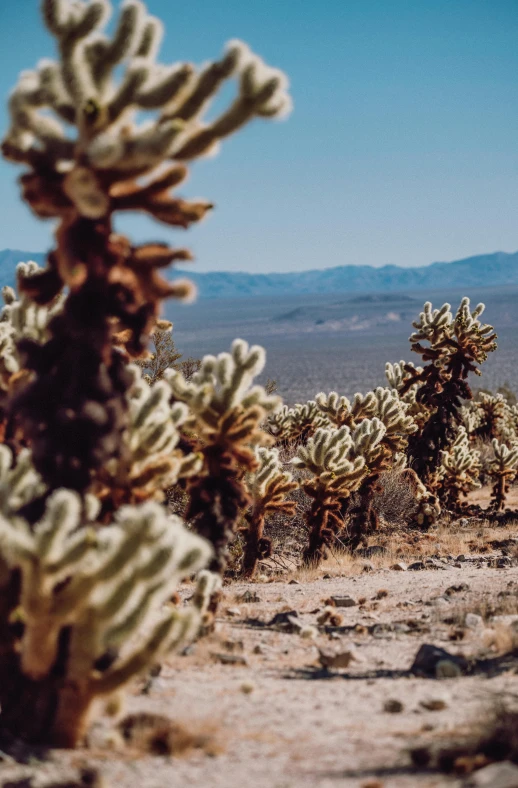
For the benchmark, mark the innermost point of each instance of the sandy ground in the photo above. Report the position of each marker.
(282, 721)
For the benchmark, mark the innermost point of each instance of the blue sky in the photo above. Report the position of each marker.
(402, 148)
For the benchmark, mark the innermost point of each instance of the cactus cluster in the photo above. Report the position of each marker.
(459, 470)
(226, 413)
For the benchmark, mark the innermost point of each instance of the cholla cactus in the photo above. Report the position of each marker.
(340, 411)
(455, 346)
(268, 486)
(459, 470)
(84, 594)
(382, 405)
(19, 484)
(337, 470)
(226, 416)
(291, 425)
(503, 469)
(470, 418)
(21, 318)
(150, 460)
(492, 409)
(82, 179)
(397, 376)
(428, 508)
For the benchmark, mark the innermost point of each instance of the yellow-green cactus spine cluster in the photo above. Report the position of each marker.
(452, 347)
(21, 318)
(269, 485)
(150, 461)
(503, 470)
(459, 470)
(226, 415)
(96, 589)
(291, 425)
(80, 89)
(337, 469)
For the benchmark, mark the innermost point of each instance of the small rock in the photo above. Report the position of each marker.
(233, 611)
(368, 566)
(431, 659)
(308, 632)
(233, 645)
(439, 601)
(433, 704)
(473, 621)
(229, 659)
(399, 567)
(503, 563)
(461, 558)
(327, 576)
(337, 659)
(456, 589)
(497, 775)
(372, 550)
(248, 597)
(260, 649)
(344, 601)
(287, 621)
(393, 706)
(294, 582)
(417, 566)
(458, 565)
(247, 687)
(421, 757)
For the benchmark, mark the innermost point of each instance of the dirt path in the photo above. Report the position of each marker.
(281, 721)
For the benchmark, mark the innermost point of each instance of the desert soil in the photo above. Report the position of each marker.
(277, 719)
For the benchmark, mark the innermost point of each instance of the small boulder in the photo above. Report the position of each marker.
(344, 601)
(496, 775)
(473, 621)
(433, 661)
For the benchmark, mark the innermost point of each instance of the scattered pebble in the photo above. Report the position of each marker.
(229, 659)
(473, 621)
(433, 704)
(249, 597)
(393, 706)
(344, 601)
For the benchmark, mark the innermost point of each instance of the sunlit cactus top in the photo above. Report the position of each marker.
(109, 145)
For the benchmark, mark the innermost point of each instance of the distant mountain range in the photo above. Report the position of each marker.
(499, 268)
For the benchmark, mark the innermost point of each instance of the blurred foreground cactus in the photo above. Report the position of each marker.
(88, 556)
(112, 163)
(84, 594)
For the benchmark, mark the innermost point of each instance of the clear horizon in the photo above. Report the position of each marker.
(401, 149)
